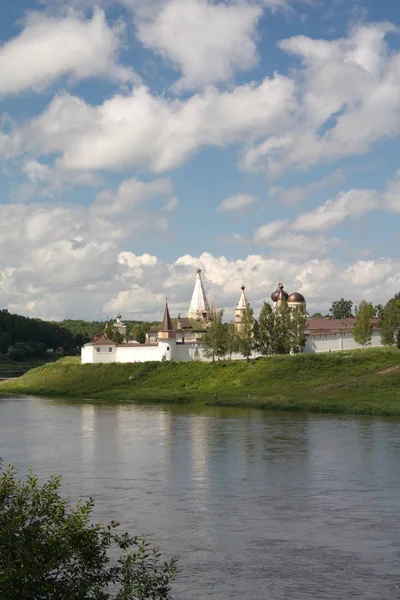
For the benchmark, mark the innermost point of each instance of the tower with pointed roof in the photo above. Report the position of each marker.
(167, 336)
(199, 307)
(167, 331)
(240, 309)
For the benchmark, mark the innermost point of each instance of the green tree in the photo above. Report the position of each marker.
(214, 340)
(5, 342)
(138, 332)
(390, 321)
(378, 311)
(341, 309)
(297, 328)
(246, 342)
(231, 339)
(362, 330)
(317, 314)
(52, 551)
(266, 325)
(398, 338)
(281, 342)
(113, 334)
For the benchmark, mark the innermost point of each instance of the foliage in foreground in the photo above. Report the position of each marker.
(52, 551)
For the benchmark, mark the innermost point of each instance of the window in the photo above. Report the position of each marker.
(97, 349)
(110, 349)
(167, 347)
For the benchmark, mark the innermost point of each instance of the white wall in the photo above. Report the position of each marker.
(130, 354)
(90, 354)
(334, 342)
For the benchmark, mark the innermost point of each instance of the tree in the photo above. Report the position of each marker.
(362, 330)
(317, 314)
(378, 311)
(398, 338)
(52, 551)
(280, 330)
(390, 321)
(281, 342)
(5, 342)
(214, 340)
(297, 332)
(138, 332)
(231, 339)
(341, 309)
(266, 324)
(113, 334)
(246, 340)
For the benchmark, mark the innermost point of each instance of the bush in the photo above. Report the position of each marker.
(51, 551)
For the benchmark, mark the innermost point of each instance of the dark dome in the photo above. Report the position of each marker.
(275, 295)
(296, 297)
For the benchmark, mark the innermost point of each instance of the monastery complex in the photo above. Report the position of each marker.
(180, 338)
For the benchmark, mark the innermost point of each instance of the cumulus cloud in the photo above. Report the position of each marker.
(351, 204)
(269, 230)
(48, 249)
(206, 41)
(50, 47)
(348, 99)
(141, 130)
(236, 203)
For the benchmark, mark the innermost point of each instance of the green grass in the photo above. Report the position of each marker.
(346, 382)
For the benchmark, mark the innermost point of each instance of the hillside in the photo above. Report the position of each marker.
(358, 382)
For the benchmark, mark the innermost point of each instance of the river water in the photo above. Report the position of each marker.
(258, 505)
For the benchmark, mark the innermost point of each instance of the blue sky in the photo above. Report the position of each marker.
(140, 139)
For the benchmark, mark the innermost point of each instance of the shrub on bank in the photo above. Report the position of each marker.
(52, 551)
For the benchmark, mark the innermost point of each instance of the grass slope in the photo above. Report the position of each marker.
(348, 382)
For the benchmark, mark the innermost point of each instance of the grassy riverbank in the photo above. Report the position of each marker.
(358, 382)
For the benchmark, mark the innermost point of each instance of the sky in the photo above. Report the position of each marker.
(141, 139)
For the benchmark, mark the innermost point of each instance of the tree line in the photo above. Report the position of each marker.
(22, 337)
(279, 331)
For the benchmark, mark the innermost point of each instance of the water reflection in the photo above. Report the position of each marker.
(258, 505)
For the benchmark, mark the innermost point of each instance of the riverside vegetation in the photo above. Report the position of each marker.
(354, 382)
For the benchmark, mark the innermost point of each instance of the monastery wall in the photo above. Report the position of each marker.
(131, 354)
(333, 342)
(90, 354)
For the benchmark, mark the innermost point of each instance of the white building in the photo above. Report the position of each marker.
(180, 339)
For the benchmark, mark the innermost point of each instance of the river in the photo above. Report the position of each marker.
(259, 506)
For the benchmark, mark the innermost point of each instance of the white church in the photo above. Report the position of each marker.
(180, 338)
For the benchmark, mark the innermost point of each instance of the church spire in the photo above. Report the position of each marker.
(240, 309)
(166, 324)
(199, 304)
(242, 304)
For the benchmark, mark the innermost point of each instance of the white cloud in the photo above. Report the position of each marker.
(48, 249)
(50, 47)
(237, 202)
(205, 40)
(269, 230)
(295, 195)
(353, 204)
(140, 130)
(348, 99)
(130, 194)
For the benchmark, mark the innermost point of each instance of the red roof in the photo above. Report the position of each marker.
(319, 325)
